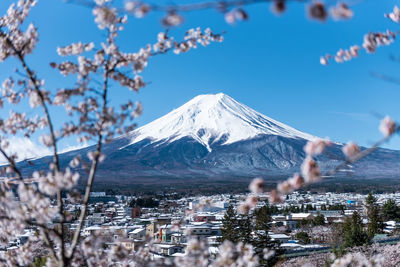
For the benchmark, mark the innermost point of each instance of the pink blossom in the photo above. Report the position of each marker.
(172, 19)
(105, 17)
(137, 8)
(316, 147)
(310, 170)
(297, 181)
(387, 126)
(323, 60)
(275, 197)
(34, 99)
(394, 15)
(235, 15)
(257, 186)
(351, 149)
(341, 11)
(75, 49)
(285, 187)
(244, 208)
(46, 140)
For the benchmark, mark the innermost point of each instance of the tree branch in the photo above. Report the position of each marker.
(94, 165)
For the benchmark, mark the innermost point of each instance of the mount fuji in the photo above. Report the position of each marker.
(215, 136)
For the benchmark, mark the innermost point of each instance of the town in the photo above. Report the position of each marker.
(305, 222)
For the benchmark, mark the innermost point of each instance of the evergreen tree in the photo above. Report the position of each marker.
(261, 239)
(303, 237)
(251, 229)
(375, 224)
(319, 220)
(245, 229)
(353, 231)
(230, 226)
(390, 211)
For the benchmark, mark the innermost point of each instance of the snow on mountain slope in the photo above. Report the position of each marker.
(214, 118)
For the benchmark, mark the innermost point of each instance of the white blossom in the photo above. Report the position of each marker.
(394, 15)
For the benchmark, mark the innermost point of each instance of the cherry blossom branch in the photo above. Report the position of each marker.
(93, 168)
(371, 42)
(232, 9)
(218, 5)
(35, 82)
(360, 155)
(11, 161)
(36, 85)
(44, 229)
(49, 244)
(310, 172)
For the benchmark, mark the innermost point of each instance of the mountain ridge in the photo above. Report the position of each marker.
(215, 136)
(214, 116)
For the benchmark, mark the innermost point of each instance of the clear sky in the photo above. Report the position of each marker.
(270, 63)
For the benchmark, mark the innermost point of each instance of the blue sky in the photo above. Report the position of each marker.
(270, 63)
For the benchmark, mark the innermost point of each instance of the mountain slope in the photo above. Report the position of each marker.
(215, 136)
(211, 119)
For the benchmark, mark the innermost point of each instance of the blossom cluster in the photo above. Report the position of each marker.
(234, 12)
(13, 40)
(52, 183)
(342, 55)
(310, 172)
(371, 42)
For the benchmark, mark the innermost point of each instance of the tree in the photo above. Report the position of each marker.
(261, 239)
(375, 224)
(230, 225)
(390, 210)
(245, 228)
(353, 231)
(91, 116)
(251, 229)
(303, 237)
(319, 220)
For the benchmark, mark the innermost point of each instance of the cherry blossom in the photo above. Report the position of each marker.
(341, 11)
(257, 186)
(394, 15)
(172, 19)
(316, 147)
(310, 170)
(387, 126)
(317, 11)
(74, 49)
(275, 196)
(91, 117)
(351, 149)
(235, 15)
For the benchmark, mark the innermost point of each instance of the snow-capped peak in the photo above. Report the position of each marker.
(208, 118)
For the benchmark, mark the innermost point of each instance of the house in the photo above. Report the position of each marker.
(168, 249)
(279, 237)
(138, 233)
(178, 238)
